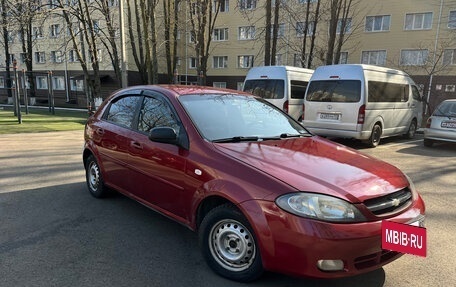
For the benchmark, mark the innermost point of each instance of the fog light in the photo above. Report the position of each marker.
(330, 265)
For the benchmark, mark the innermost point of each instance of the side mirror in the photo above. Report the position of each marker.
(167, 135)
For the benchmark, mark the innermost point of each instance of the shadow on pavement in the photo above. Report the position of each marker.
(61, 234)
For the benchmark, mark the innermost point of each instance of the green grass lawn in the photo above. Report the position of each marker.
(41, 120)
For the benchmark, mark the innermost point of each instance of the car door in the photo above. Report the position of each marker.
(158, 169)
(113, 133)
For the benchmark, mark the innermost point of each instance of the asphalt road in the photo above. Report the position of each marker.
(53, 233)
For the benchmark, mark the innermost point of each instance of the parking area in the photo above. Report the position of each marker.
(53, 233)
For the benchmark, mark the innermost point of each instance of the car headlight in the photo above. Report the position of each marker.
(319, 206)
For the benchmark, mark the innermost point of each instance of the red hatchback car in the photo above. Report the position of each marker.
(261, 191)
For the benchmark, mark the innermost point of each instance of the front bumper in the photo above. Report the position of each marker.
(294, 245)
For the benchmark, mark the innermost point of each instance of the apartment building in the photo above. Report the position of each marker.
(416, 36)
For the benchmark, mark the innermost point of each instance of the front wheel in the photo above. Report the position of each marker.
(229, 245)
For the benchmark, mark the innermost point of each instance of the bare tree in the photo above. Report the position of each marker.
(203, 16)
(340, 24)
(5, 20)
(84, 34)
(171, 20)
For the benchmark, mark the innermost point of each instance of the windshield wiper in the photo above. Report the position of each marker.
(237, 139)
(286, 135)
(256, 138)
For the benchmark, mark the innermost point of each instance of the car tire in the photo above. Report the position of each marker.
(428, 142)
(375, 136)
(94, 178)
(411, 130)
(229, 246)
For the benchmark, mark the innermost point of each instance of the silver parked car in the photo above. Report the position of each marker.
(441, 125)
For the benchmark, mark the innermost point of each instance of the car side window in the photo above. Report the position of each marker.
(416, 93)
(122, 111)
(154, 113)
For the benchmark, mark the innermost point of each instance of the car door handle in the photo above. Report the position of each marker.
(136, 145)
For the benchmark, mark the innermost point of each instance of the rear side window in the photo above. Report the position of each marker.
(122, 111)
(298, 89)
(266, 88)
(341, 91)
(387, 92)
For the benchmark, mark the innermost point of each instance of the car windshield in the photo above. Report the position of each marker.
(231, 118)
(446, 109)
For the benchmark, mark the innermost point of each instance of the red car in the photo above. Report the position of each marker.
(261, 191)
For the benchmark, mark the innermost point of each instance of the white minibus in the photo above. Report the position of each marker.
(283, 86)
(363, 102)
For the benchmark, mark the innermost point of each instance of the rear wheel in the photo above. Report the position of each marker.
(412, 130)
(376, 134)
(229, 245)
(94, 178)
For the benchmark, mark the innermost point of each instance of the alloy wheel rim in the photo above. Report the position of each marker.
(232, 245)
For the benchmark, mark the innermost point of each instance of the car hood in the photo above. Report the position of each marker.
(315, 164)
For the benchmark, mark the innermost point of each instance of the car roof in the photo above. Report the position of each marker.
(183, 90)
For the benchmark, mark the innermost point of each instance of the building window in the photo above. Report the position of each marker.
(223, 4)
(418, 21)
(192, 63)
(22, 57)
(40, 57)
(56, 57)
(76, 85)
(96, 26)
(300, 26)
(58, 83)
(280, 31)
(449, 57)
(247, 33)
(220, 62)
(245, 62)
(247, 4)
(452, 20)
(99, 55)
(113, 3)
(37, 32)
(73, 56)
(306, 1)
(53, 4)
(413, 57)
(41, 82)
(374, 57)
(221, 34)
(450, 88)
(11, 35)
(192, 37)
(347, 22)
(12, 57)
(343, 59)
(54, 30)
(378, 23)
(2, 82)
(279, 59)
(240, 86)
(219, 85)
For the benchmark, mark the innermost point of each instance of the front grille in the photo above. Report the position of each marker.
(390, 203)
(375, 259)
